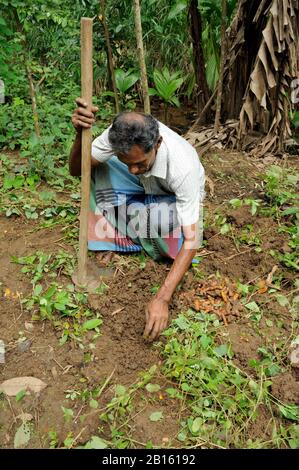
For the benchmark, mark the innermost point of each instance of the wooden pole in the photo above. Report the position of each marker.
(140, 51)
(86, 94)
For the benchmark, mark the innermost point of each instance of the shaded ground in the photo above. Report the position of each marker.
(120, 353)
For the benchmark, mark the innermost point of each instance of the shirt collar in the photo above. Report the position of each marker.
(159, 168)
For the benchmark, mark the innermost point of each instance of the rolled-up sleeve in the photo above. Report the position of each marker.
(101, 149)
(189, 192)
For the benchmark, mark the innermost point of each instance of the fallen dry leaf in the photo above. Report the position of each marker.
(25, 417)
(13, 386)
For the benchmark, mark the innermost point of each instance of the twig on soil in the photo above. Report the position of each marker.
(11, 409)
(100, 393)
(77, 437)
(75, 419)
(16, 319)
(61, 246)
(136, 442)
(66, 369)
(59, 239)
(237, 254)
(118, 269)
(61, 367)
(105, 383)
(254, 279)
(206, 442)
(204, 253)
(118, 310)
(131, 418)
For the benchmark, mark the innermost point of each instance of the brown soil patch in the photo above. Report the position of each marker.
(286, 388)
(121, 349)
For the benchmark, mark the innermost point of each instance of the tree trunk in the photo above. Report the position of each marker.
(138, 31)
(244, 39)
(222, 62)
(109, 54)
(33, 101)
(198, 56)
(263, 60)
(29, 74)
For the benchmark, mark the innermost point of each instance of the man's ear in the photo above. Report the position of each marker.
(159, 142)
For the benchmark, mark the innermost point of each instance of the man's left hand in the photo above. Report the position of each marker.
(156, 315)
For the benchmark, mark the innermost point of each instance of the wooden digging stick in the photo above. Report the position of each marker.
(86, 94)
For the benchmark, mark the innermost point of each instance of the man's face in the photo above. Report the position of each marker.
(137, 161)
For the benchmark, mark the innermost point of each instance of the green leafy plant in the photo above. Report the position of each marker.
(281, 191)
(167, 85)
(253, 203)
(124, 81)
(222, 400)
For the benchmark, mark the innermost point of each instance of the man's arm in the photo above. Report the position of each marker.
(80, 119)
(157, 311)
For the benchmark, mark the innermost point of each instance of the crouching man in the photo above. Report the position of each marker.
(146, 194)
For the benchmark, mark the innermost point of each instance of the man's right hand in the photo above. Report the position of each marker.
(82, 117)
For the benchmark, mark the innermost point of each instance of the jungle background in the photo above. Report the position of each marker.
(223, 73)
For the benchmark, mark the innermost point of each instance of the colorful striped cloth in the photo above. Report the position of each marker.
(123, 218)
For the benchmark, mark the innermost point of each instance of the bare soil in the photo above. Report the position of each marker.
(121, 349)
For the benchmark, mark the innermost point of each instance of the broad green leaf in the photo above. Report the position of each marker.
(205, 341)
(108, 93)
(225, 228)
(185, 387)
(46, 196)
(37, 290)
(208, 362)
(92, 324)
(152, 388)
(167, 84)
(272, 370)
(174, 100)
(96, 443)
(178, 8)
(120, 390)
(182, 436)
(152, 91)
(182, 322)
(282, 300)
(253, 307)
(290, 411)
(196, 425)
(156, 416)
(125, 80)
(68, 413)
(235, 202)
(93, 404)
(221, 350)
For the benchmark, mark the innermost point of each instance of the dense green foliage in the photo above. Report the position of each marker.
(43, 37)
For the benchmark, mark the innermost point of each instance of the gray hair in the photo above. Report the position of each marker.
(127, 131)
